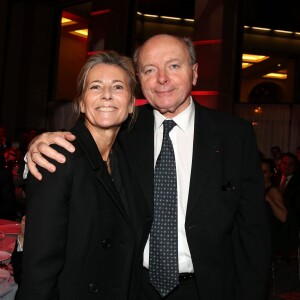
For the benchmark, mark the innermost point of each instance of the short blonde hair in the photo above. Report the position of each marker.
(109, 58)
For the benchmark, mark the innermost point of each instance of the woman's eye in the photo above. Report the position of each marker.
(95, 86)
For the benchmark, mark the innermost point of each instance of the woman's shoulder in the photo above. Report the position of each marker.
(68, 154)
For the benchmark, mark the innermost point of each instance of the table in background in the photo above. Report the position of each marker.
(11, 229)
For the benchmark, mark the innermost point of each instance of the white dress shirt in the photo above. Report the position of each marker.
(287, 178)
(182, 137)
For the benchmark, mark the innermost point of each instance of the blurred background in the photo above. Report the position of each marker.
(248, 56)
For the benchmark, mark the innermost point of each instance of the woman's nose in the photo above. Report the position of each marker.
(106, 94)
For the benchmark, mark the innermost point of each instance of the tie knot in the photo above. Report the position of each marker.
(168, 126)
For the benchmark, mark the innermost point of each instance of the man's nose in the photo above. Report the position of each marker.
(162, 77)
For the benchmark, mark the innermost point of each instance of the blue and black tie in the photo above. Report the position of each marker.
(163, 258)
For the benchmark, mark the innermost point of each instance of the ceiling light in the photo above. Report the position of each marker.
(261, 28)
(283, 31)
(253, 58)
(150, 16)
(66, 21)
(170, 18)
(246, 65)
(276, 76)
(81, 32)
(189, 20)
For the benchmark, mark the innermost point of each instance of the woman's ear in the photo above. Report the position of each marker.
(131, 106)
(81, 105)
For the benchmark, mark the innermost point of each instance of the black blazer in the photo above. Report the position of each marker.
(78, 237)
(226, 223)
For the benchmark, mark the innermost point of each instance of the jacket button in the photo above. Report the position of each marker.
(106, 243)
(94, 288)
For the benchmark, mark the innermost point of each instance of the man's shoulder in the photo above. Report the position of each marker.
(219, 117)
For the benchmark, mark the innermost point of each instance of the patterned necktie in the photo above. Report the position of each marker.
(163, 258)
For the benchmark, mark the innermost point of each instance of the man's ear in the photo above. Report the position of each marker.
(195, 74)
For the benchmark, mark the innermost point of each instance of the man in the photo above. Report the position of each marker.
(290, 189)
(223, 237)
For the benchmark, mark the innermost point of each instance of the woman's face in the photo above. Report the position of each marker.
(107, 97)
(266, 171)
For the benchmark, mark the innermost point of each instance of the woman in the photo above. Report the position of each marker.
(78, 237)
(272, 194)
(275, 206)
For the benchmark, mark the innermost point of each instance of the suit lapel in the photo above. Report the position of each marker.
(138, 145)
(207, 145)
(143, 141)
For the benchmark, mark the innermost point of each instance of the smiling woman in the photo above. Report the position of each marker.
(69, 212)
(106, 87)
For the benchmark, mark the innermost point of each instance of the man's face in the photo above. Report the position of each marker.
(166, 74)
(288, 166)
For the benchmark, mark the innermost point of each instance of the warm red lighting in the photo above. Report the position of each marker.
(92, 52)
(73, 17)
(139, 102)
(205, 93)
(205, 42)
(100, 12)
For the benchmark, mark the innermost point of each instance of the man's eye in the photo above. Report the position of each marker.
(174, 66)
(118, 87)
(148, 71)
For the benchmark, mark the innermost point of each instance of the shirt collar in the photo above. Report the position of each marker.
(183, 120)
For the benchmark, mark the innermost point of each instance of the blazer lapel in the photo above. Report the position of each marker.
(97, 164)
(207, 146)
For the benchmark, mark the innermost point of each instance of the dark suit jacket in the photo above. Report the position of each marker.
(8, 204)
(78, 236)
(226, 224)
(291, 196)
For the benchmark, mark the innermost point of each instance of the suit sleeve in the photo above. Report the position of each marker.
(251, 233)
(45, 233)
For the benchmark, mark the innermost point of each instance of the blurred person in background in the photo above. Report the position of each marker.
(8, 205)
(290, 190)
(277, 212)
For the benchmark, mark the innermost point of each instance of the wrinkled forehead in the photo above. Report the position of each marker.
(162, 48)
